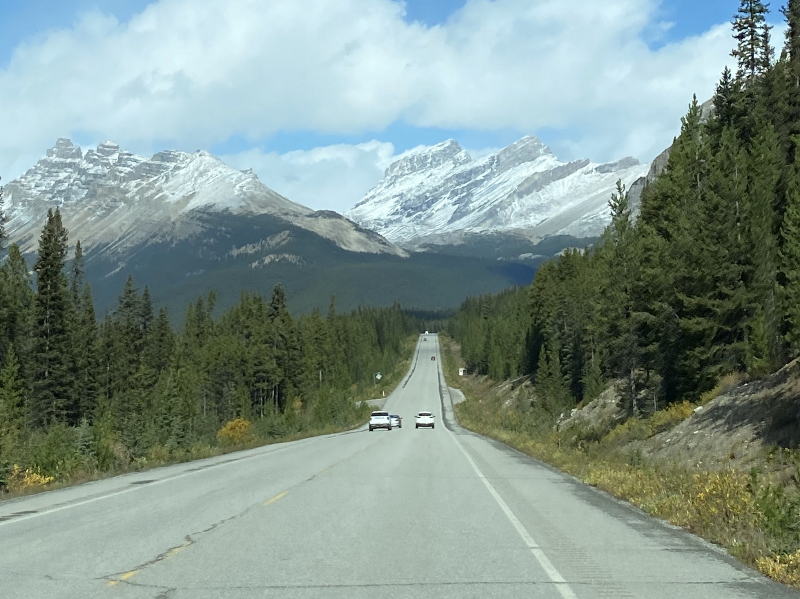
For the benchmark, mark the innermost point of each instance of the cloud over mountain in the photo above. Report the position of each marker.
(193, 73)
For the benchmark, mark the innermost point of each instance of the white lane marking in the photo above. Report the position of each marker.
(551, 571)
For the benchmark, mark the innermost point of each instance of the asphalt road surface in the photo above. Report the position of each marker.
(403, 513)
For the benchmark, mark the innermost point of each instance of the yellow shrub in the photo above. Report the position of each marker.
(723, 500)
(236, 432)
(783, 568)
(21, 480)
(671, 416)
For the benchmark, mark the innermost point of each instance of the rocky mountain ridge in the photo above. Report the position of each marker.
(118, 200)
(441, 193)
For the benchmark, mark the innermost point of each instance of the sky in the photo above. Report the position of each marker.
(318, 97)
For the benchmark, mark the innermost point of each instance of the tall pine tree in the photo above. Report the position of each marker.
(54, 380)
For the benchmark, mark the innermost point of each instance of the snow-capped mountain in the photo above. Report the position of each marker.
(118, 200)
(440, 193)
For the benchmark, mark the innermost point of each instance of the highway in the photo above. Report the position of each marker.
(424, 513)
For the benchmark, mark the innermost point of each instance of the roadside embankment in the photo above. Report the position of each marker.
(727, 470)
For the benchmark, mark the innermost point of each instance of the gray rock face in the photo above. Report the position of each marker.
(659, 164)
(441, 191)
(114, 198)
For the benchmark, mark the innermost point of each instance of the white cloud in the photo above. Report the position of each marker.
(192, 73)
(327, 178)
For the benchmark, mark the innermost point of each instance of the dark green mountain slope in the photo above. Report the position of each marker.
(234, 253)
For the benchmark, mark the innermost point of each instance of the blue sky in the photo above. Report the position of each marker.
(483, 72)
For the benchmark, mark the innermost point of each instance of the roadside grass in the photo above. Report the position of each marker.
(74, 456)
(754, 515)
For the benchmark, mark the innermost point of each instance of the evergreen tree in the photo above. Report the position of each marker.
(52, 354)
(77, 279)
(789, 260)
(16, 307)
(11, 409)
(792, 14)
(160, 344)
(88, 363)
(725, 113)
(751, 32)
(3, 234)
(764, 172)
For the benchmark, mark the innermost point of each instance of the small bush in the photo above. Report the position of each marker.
(633, 429)
(673, 415)
(236, 432)
(158, 454)
(783, 568)
(23, 480)
(726, 383)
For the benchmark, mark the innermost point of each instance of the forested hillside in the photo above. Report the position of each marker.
(78, 396)
(705, 282)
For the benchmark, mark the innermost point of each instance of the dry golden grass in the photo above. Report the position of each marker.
(783, 568)
(726, 383)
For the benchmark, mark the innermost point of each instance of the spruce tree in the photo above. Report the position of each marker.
(16, 308)
(751, 32)
(3, 234)
(766, 163)
(88, 362)
(77, 278)
(52, 354)
(724, 114)
(12, 420)
(792, 14)
(789, 260)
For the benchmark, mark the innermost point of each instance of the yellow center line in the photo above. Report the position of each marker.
(276, 498)
(125, 576)
(176, 550)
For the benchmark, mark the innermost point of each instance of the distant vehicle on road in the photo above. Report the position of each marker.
(424, 338)
(433, 358)
(380, 420)
(396, 420)
(424, 419)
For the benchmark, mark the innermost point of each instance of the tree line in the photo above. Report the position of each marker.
(78, 394)
(704, 282)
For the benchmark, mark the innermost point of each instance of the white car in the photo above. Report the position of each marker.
(380, 420)
(396, 420)
(424, 419)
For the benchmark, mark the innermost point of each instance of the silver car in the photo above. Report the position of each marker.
(396, 420)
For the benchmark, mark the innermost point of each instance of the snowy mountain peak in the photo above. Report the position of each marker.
(110, 196)
(527, 149)
(447, 153)
(440, 192)
(65, 150)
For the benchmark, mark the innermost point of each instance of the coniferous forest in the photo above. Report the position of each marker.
(704, 282)
(80, 396)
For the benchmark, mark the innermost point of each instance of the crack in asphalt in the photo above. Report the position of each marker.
(194, 537)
